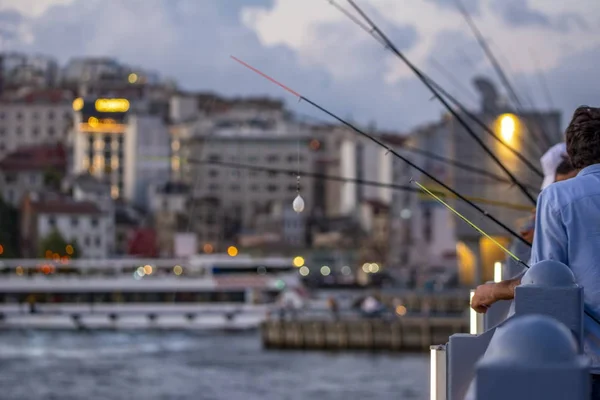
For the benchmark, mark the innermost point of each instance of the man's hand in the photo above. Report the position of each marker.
(483, 298)
(489, 293)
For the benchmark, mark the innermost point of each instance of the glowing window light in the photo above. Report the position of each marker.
(298, 261)
(70, 250)
(19, 270)
(78, 104)
(132, 78)
(175, 145)
(175, 163)
(114, 191)
(114, 162)
(177, 270)
(148, 269)
(325, 270)
(304, 271)
(401, 310)
(232, 251)
(208, 248)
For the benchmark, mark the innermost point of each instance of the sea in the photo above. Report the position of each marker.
(145, 365)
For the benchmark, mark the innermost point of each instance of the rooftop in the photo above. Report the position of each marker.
(53, 203)
(35, 158)
(38, 96)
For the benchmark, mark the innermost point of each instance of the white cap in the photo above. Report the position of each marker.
(550, 161)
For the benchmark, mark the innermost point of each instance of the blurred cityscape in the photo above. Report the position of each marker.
(100, 160)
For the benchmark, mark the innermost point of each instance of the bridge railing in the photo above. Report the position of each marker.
(511, 338)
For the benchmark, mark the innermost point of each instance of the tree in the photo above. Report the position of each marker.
(9, 230)
(54, 245)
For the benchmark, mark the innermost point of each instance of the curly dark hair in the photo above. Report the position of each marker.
(583, 137)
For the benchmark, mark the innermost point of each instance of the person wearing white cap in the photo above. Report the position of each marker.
(557, 167)
(550, 160)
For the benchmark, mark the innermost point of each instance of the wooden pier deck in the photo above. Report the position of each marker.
(414, 333)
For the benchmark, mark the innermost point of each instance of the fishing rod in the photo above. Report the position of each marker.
(542, 80)
(448, 161)
(427, 83)
(389, 149)
(478, 229)
(495, 64)
(441, 90)
(318, 175)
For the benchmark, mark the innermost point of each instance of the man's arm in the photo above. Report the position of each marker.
(549, 243)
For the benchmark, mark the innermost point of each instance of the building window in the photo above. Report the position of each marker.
(213, 173)
(272, 188)
(94, 222)
(36, 115)
(74, 221)
(19, 116)
(2, 115)
(86, 241)
(213, 186)
(292, 188)
(50, 131)
(19, 130)
(235, 188)
(2, 131)
(97, 241)
(273, 158)
(52, 221)
(272, 173)
(35, 131)
(214, 158)
(254, 188)
(50, 115)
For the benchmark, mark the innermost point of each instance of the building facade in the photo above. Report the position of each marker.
(77, 222)
(34, 117)
(128, 150)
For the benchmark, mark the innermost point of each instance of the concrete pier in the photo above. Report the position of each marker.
(399, 334)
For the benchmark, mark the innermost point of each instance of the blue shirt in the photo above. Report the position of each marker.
(567, 229)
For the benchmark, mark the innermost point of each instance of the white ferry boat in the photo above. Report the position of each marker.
(200, 292)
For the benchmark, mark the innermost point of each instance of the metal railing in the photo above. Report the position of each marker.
(531, 348)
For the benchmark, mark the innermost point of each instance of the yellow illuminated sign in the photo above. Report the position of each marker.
(112, 105)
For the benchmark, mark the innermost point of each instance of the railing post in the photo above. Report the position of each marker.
(437, 376)
(547, 288)
(532, 357)
(475, 319)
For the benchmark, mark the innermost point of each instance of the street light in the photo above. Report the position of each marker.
(508, 126)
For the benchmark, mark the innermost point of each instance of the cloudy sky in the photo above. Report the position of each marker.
(313, 48)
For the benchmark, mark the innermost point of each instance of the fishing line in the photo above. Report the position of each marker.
(449, 161)
(498, 68)
(426, 80)
(452, 99)
(517, 259)
(441, 90)
(316, 175)
(389, 150)
(478, 229)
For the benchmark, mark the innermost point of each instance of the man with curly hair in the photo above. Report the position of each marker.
(567, 229)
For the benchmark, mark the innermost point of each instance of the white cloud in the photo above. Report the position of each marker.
(313, 48)
(31, 8)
